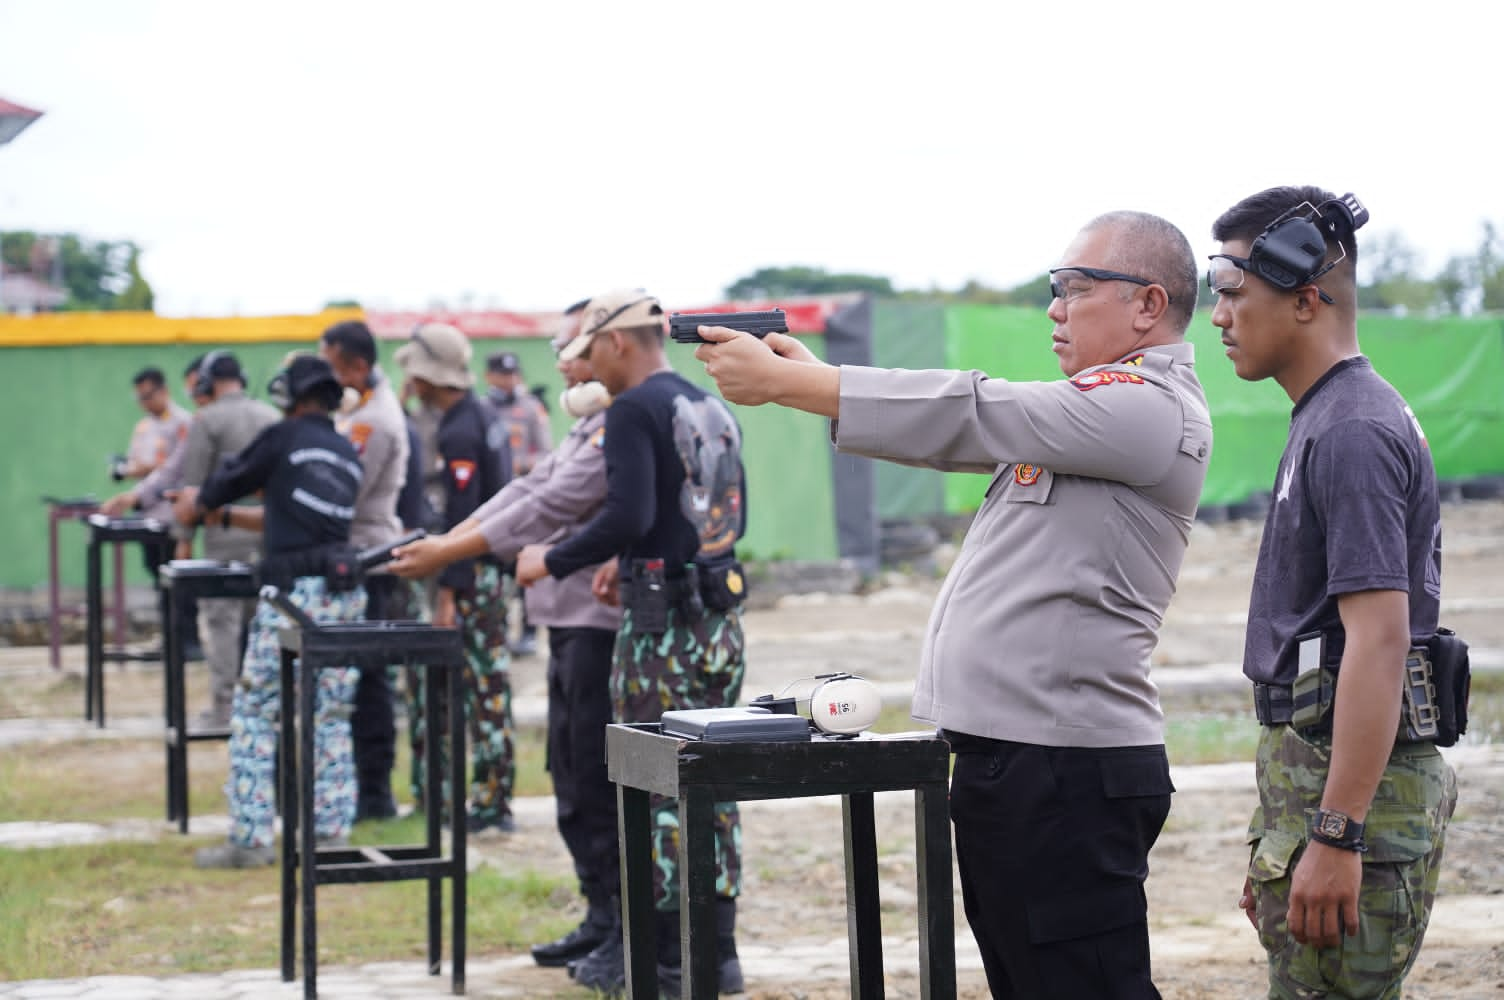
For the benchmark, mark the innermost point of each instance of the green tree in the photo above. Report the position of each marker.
(95, 274)
(783, 282)
(1490, 268)
(1034, 292)
(1392, 265)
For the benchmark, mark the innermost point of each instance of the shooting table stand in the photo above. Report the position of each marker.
(181, 580)
(641, 760)
(117, 531)
(60, 510)
(305, 650)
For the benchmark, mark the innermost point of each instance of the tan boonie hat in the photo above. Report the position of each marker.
(618, 310)
(437, 353)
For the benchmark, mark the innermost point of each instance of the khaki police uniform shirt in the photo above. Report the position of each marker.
(378, 430)
(563, 492)
(1043, 629)
(154, 438)
(223, 427)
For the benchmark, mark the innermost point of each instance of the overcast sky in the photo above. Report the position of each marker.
(272, 156)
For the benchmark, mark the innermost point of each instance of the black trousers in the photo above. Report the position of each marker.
(1053, 849)
(373, 724)
(579, 709)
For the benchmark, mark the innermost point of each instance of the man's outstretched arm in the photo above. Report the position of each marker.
(776, 369)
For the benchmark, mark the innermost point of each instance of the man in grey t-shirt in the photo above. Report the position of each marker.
(1351, 818)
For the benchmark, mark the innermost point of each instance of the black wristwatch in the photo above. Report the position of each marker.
(1335, 829)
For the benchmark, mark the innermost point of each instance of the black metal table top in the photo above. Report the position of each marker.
(126, 529)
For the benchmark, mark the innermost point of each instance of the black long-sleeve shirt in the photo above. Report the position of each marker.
(674, 481)
(310, 475)
(477, 463)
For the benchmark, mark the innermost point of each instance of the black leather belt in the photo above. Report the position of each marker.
(1272, 703)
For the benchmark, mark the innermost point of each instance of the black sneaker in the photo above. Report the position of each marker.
(375, 807)
(576, 944)
(476, 825)
(729, 977)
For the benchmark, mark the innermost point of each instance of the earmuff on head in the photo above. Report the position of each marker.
(304, 375)
(279, 390)
(1292, 251)
(205, 374)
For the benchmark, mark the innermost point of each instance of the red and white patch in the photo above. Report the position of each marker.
(1025, 474)
(463, 471)
(359, 435)
(1094, 380)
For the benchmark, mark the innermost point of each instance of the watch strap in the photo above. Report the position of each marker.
(1338, 830)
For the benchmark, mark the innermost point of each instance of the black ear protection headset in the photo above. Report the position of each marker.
(279, 391)
(205, 373)
(1292, 251)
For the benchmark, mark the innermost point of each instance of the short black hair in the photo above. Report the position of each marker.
(151, 375)
(193, 366)
(353, 339)
(1248, 219)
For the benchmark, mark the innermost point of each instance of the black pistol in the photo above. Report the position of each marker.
(685, 327)
(379, 555)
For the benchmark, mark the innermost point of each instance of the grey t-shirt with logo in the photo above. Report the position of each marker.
(1355, 508)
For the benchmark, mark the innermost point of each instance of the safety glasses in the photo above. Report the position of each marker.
(1073, 282)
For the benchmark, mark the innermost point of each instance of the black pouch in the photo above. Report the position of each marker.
(342, 568)
(723, 585)
(1452, 674)
(648, 597)
(691, 600)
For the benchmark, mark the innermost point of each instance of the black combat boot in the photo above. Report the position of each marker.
(605, 968)
(728, 966)
(602, 919)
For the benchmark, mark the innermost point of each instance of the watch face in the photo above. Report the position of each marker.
(1331, 824)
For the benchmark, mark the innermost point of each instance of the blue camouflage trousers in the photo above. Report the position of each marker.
(252, 785)
(1405, 828)
(481, 616)
(693, 663)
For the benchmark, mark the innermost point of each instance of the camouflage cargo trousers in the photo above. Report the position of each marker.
(697, 663)
(481, 615)
(252, 784)
(1404, 829)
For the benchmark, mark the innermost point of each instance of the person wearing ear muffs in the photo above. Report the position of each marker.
(225, 424)
(309, 475)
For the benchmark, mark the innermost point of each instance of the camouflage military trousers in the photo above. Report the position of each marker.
(691, 664)
(252, 785)
(481, 616)
(1404, 829)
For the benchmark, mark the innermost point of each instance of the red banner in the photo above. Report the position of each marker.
(805, 315)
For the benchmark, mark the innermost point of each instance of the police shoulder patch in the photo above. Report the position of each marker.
(1095, 380)
(463, 471)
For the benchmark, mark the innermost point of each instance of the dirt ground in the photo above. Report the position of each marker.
(793, 919)
(1203, 946)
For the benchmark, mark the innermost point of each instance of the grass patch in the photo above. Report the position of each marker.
(89, 781)
(127, 908)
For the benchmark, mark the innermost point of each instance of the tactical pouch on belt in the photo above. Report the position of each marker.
(1417, 700)
(723, 584)
(1312, 696)
(647, 596)
(342, 568)
(1451, 674)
